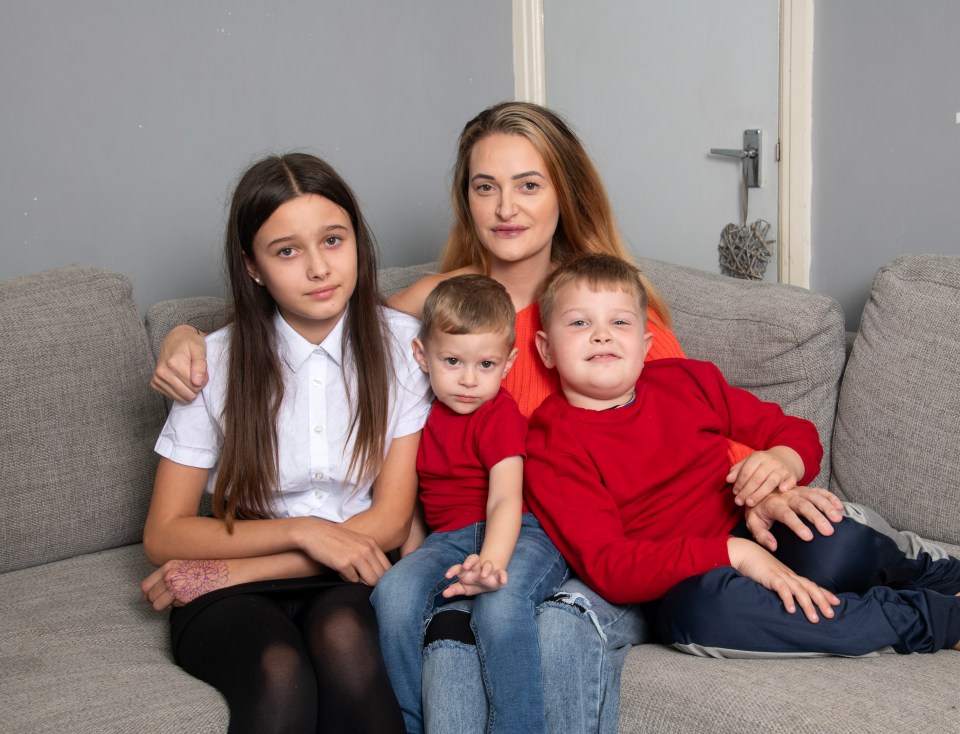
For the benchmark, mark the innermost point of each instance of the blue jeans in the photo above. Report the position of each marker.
(584, 641)
(407, 596)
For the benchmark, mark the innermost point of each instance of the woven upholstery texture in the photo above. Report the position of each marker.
(79, 419)
(669, 692)
(897, 441)
(80, 652)
(783, 344)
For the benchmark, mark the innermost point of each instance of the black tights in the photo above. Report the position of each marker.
(298, 662)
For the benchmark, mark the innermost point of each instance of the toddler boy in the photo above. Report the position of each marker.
(470, 465)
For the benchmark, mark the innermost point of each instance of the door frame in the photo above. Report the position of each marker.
(794, 148)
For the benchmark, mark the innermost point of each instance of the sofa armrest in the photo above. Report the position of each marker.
(896, 441)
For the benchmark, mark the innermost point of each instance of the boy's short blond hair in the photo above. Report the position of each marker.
(598, 272)
(468, 304)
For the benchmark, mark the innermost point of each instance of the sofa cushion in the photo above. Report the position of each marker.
(81, 652)
(669, 692)
(782, 343)
(79, 419)
(896, 446)
(392, 280)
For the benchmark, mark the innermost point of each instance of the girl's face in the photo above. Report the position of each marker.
(512, 200)
(305, 254)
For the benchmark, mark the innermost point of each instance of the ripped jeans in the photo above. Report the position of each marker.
(584, 641)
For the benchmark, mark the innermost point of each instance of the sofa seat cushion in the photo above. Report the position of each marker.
(669, 692)
(896, 445)
(81, 652)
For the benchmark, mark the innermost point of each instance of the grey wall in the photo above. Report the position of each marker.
(651, 86)
(886, 143)
(124, 123)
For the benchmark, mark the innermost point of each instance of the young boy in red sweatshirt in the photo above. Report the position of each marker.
(627, 471)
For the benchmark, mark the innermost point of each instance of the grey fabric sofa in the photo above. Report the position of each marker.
(81, 652)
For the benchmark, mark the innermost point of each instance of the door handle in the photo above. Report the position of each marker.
(749, 156)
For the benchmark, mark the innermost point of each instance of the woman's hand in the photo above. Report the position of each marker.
(756, 563)
(177, 583)
(818, 506)
(182, 365)
(355, 556)
(474, 577)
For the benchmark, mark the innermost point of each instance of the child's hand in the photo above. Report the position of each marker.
(177, 583)
(474, 577)
(761, 473)
(758, 564)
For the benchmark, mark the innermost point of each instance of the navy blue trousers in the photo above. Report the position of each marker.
(887, 601)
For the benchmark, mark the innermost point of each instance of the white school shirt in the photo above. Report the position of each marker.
(314, 416)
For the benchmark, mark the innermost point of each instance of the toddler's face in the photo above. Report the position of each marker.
(465, 369)
(597, 340)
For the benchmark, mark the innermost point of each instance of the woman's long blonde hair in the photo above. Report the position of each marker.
(586, 223)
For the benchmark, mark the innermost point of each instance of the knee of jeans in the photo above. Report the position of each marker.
(390, 598)
(563, 614)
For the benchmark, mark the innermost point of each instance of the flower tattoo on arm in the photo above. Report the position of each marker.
(187, 580)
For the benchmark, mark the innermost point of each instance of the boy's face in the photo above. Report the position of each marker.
(465, 369)
(597, 340)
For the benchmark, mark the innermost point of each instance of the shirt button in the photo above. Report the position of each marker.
(318, 350)
(317, 381)
(318, 429)
(318, 476)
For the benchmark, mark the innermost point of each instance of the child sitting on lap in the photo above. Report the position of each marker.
(470, 464)
(627, 468)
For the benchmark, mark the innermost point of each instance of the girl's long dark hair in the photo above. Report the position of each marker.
(247, 478)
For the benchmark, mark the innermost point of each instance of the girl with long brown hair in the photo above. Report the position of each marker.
(310, 461)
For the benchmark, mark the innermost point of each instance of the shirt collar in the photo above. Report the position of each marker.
(296, 350)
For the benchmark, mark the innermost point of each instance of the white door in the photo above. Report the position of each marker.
(651, 86)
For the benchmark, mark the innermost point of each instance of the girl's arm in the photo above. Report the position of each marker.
(418, 532)
(182, 365)
(488, 570)
(174, 531)
(388, 518)
(183, 544)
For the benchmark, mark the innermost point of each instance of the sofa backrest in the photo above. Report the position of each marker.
(783, 344)
(77, 417)
(896, 446)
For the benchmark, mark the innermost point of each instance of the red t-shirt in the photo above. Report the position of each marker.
(636, 498)
(456, 454)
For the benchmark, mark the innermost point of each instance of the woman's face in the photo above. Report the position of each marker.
(512, 200)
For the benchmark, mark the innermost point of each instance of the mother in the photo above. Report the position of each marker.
(526, 196)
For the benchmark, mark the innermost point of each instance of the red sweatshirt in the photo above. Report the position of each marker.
(636, 497)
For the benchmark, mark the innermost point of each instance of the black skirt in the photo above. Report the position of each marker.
(180, 617)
